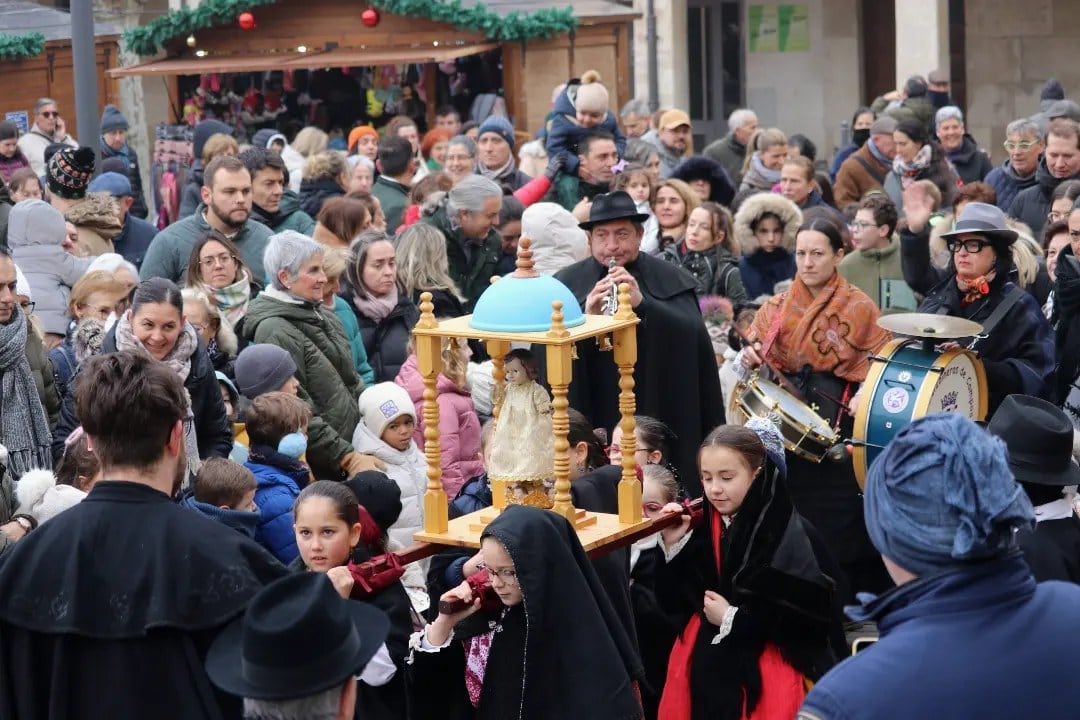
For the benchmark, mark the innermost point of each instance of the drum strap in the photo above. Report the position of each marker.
(995, 317)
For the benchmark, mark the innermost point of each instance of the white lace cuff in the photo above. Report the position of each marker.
(418, 642)
(670, 552)
(742, 372)
(725, 625)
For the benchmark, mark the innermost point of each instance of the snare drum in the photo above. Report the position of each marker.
(805, 432)
(908, 382)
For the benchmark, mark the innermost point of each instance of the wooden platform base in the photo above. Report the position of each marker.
(595, 530)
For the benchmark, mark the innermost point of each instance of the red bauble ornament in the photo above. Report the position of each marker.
(247, 21)
(370, 17)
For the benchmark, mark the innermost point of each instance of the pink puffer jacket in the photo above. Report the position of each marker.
(459, 427)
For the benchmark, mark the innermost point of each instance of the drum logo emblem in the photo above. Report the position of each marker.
(895, 400)
(904, 376)
(949, 402)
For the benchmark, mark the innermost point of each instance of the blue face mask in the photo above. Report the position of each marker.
(293, 445)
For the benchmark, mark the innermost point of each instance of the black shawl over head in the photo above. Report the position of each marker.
(571, 657)
(770, 570)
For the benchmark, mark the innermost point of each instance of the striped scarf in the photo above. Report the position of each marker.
(24, 427)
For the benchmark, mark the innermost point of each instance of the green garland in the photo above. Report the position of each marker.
(21, 47)
(546, 23)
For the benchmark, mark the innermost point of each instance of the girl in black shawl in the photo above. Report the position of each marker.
(753, 588)
(549, 646)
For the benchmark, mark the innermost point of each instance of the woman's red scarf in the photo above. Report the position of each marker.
(972, 290)
(783, 687)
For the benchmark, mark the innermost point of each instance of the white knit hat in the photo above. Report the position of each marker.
(22, 285)
(382, 403)
(592, 96)
(40, 497)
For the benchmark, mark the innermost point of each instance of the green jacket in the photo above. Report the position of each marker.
(170, 250)
(44, 380)
(879, 274)
(730, 153)
(315, 339)
(288, 217)
(394, 197)
(916, 108)
(473, 275)
(356, 340)
(565, 191)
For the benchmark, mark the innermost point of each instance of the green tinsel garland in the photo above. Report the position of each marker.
(21, 47)
(149, 38)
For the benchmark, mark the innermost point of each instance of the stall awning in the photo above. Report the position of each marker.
(338, 57)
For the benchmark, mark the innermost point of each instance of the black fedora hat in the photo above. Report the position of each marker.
(298, 637)
(616, 205)
(983, 219)
(1039, 437)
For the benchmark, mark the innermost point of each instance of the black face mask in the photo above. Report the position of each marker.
(938, 98)
(860, 136)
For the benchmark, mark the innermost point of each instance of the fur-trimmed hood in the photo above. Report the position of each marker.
(98, 212)
(87, 338)
(702, 167)
(757, 205)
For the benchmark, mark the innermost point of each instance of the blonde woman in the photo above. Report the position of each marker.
(673, 202)
(326, 175)
(97, 294)
(335, 261)
(765, 155)
(422, 266)
(216, 331)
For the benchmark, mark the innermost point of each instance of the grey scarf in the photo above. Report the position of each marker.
(24, 427)
(179, 359)
(500, 173)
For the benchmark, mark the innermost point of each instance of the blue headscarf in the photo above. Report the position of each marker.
(772, 440)
(941, 494)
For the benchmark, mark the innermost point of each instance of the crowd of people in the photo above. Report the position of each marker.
(201, 417)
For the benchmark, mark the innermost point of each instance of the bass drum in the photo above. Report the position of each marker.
(907, 382)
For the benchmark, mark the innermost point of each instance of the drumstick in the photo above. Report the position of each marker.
(781, 379)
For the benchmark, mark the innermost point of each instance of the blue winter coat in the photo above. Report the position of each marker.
(280, 480)
(565, 134)
(244, 522)
(982, 641)
(1007, 184)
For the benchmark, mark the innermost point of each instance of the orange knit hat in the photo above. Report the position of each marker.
(360, 131)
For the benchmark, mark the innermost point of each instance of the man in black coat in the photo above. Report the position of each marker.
(1039, 436)
(676, 378)
(134, 240)
(107, 610)
(114, 144)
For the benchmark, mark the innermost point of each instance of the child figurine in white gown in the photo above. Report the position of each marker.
(522, 449)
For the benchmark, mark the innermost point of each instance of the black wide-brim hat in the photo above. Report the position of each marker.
(983, 219)
(297, 638)
(612, 206)
(1039, 437)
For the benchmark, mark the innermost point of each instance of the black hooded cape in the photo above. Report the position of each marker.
(108, 609)
(561, 653)
(676, 377)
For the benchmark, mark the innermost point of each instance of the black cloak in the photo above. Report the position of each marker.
(108, 609)
(561, 653)
(676, 377)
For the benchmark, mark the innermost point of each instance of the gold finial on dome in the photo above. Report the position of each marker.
(525, 260)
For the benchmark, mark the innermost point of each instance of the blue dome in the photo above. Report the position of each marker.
(514, 304)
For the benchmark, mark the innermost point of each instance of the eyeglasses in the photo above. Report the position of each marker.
(617, 450)
(507, 575)
(861, 225)
(1011, 146)
(223, 260)
(198, 328)
(973, 247)
(28, 307)
(50, 113)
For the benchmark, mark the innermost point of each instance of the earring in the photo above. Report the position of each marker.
(580, 466)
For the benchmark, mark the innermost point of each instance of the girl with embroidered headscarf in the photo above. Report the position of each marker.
(542, 642)
(751, 584)
(216, 268)
(821, 334)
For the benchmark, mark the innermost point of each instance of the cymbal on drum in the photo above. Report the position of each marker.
(926, 325)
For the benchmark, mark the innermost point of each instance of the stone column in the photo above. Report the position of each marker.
(670, 50)
(922, 38)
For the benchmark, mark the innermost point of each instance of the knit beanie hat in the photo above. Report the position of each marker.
(1052, 90)
(498, 125)
(941, 494)
(22, 285)
(591, 95)
(35, 222)
(69, 172)
(360, 131)
(40, 497)
(112, 119)
(380, 404)
(262, 368)
(379, 495)
(884, 125)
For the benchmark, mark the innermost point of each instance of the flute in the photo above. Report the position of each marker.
(611, 301)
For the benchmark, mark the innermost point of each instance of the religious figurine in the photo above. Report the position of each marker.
(522, 449)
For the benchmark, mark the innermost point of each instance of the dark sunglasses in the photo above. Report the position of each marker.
(50, 114)
(972, 246)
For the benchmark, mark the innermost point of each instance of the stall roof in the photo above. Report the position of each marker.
(338, 57)
(582, 8)
(19, 18)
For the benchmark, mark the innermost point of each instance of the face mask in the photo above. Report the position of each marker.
(860, 136)
(938, 98)
(293, 445)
